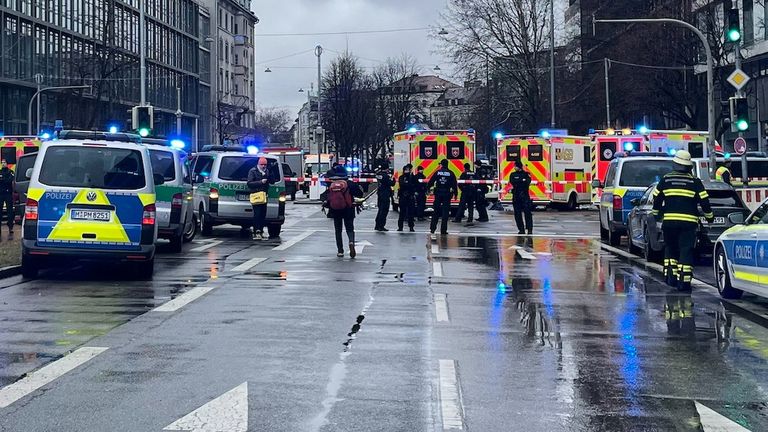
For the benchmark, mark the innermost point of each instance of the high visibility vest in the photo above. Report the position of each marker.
(720, 171)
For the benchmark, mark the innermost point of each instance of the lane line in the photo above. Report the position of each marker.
(712, 421)
(437, 269)
(207, 246)
(249, 264)
(435, 249)
(228, 412)
(524, 254)
(441, 308)
(450, 398)
(294, 240)
(47, 374)
(183, 300)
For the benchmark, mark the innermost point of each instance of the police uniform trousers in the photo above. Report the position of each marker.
(441, 209)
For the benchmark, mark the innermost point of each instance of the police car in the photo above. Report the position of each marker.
(628, 176)
(741, 257)
(91, 196)
(221, 193)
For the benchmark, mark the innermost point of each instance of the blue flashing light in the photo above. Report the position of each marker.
(629, 146)
(502, 287)
(1, 134)
(45, 135)
(643, 130)
(113, 129)
(252, 150)
(349, 169)
(545, 134)
(412, 130)
(355, 168)
(672, 152)
(591, 131)
(205, 174)
(499, 135)
(727, 155)
(177, 144)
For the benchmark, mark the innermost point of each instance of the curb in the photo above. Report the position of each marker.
(9, 271)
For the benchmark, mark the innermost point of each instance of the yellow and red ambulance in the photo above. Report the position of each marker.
(426, 148)
(12, 147)
(670, 142)
(561, 168)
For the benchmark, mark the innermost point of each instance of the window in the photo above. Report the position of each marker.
(587, 154)
(203, 166)
(535, 153)
(226, 51)
(513, 153)
(23, 165)
(93, 167)
(607, 150)
(640, 173)
(456, 150)
(428, 150)
(236, 168)
(237, 59)
(162, 164)
(610, 176)
(696, 149)
(186, 172)
(8, 154)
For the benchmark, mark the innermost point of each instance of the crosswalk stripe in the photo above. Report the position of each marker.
(437, 269)
(183, 300)
(441, 308)
(450, 398)
(207, 246)
(293, 241)
(248, 264)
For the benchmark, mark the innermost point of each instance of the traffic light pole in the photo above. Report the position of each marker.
(710, 77)
(740, 93)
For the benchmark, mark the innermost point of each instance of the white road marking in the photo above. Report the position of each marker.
(228, 412)
(524, 254)
(437, 269)
(435, 249)
(712, 421)
(183, 300)
(294, 240)
(207, 246)
(249, 264)
(515, 247)
(441, 308)
(450, 397)
(359, 246)
(47, 374)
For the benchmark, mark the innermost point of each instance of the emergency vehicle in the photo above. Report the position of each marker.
(608, 142)
(13, 147)
(426, 148)
(292, 159)
(561, 168)
(666, 141)
(752, 194)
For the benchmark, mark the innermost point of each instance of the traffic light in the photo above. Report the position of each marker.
(143, 119)
(732, 26)
(739, 114)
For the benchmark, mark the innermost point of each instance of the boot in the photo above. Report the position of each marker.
(352, 251)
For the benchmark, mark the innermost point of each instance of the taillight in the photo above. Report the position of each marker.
(177, 200)
(30, 210)
(214, 194)
(618, 202)
(148, 217)
(281, 198)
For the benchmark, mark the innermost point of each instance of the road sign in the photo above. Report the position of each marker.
(738, 79)
(740, 146)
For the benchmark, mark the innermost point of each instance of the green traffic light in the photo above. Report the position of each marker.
(742, 125)
(734, 35)
(144, 132)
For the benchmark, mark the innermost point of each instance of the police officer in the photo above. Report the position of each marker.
(481, 203)
(6, 195)
(407, 193)
(383, 194)
(520, 181)
(467, 201)
(444, 182)
(676, 201)
(723, 173)
(421, 192)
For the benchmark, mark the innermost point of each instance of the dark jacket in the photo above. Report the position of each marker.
(520, 182)
(407, 186)
(354, 189)
(444, 182)
(678, 196)
(255, 180)
(483, 173)
(6, 181)
(421, 187)
(385, 184)
(468, 189)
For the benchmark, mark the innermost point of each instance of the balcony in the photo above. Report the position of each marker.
(241, 40)
(241, 70)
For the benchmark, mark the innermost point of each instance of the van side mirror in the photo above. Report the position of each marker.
(198, 179)
(28, 174)
(597, 184)
(159, 179)
(635, 202)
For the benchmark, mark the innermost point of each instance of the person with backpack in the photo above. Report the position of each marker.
(340, 201)
(407, 185)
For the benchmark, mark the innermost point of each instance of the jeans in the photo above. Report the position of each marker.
(349, 224)
(259, 215)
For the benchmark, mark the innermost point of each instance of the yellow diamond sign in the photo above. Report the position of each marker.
(738, 79)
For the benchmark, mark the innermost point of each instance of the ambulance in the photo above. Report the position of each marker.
(13, 147)
(561, 168)
(611, 141)
(426, 148)
(670, 142)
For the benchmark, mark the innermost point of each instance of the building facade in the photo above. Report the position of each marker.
(96, 43)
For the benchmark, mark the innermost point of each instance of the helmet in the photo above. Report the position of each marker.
(682, 157)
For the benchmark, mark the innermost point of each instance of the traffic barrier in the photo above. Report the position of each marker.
(752, 197)
(483, 182)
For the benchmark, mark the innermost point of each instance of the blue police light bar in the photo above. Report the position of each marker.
(672, 152)
(545, 134)
(412, 130)
(252, 150)
(113, 129)
(45, 135)
(178, 144)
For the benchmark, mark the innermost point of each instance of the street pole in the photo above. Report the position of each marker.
(552, 60)
(39, 81)
(607, 94)
(142, 53)
(37, 95)
(710, 78)
(740, 93)
(179, 113)
(318, 130)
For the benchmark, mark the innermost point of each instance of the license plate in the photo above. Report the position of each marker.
(717, 221)
(91, 215)
(243, 197)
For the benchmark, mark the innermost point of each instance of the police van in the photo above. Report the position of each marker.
(91, 196)
(176, 219)
(627, 177)
(221, 193)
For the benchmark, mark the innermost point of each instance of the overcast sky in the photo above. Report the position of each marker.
(280, 88)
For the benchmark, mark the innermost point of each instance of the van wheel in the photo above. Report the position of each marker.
(572, 202)
(206, 227)
(176, 243)
(190, 230)
(614, 238)
(29, 267)
(274, 230)
(145, 269)
(724, 286)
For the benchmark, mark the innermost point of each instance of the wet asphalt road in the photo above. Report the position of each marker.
(480, 330)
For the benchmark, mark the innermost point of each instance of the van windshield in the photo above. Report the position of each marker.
(24, 163)
(236, 168)
(93, 167)
(162, 164)
(642, 173)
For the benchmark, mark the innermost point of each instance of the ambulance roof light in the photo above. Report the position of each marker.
(626, 131)
(592, 131)
(628, 146)
(672, 152)
(610, 131)
(643, 130)
(545, 134)
(499, 135)
(45, 135)
(114, 129)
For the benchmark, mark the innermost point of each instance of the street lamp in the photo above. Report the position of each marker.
(268, 70)
(442, 32)
(37, 94)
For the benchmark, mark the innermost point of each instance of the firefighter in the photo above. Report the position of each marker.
(6, 195)
(383, 194)
(467, 201)
(723, 173)
(520, 181)
(444, 182)
(421, 192)
(676, 201)
(481, 203)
